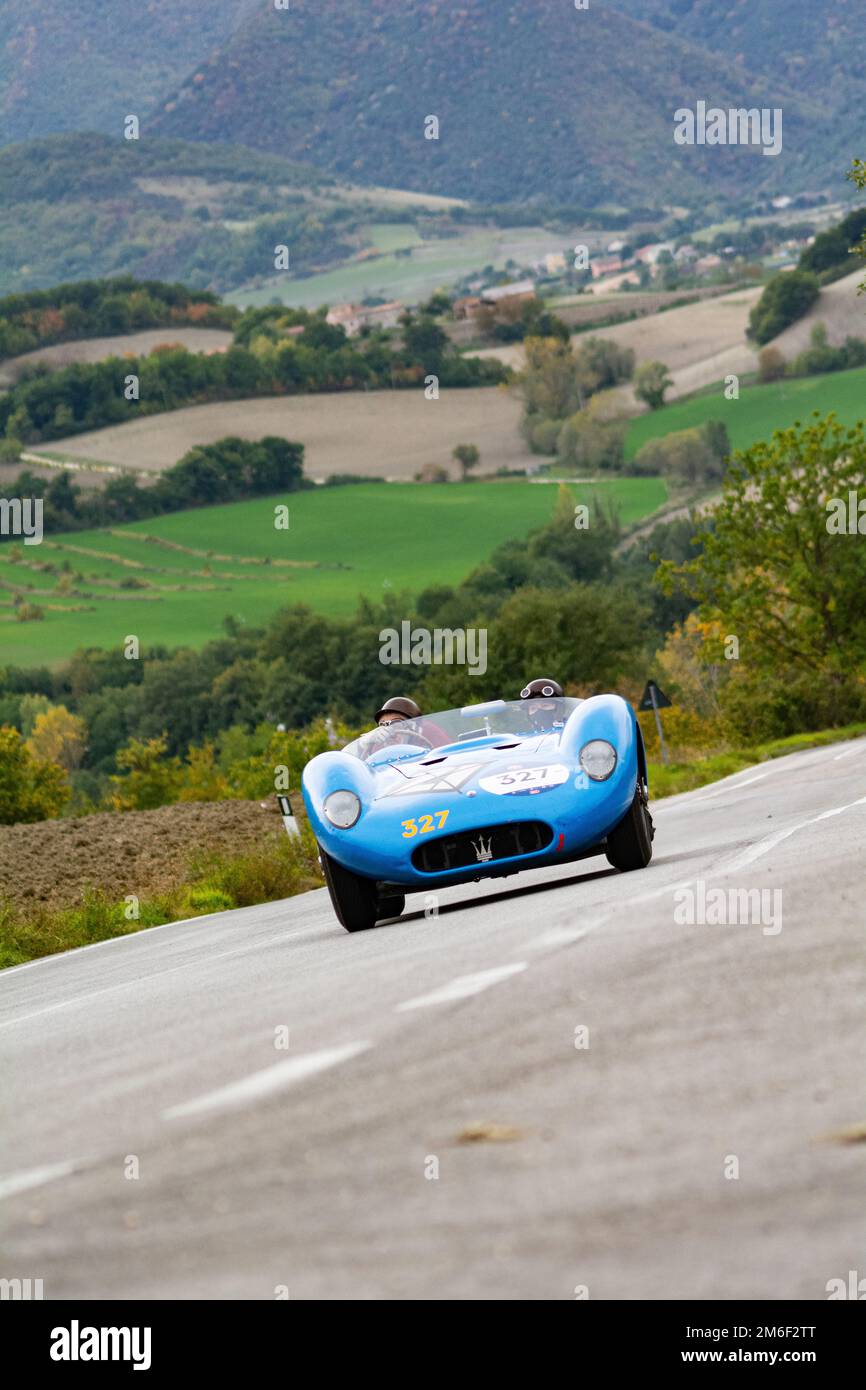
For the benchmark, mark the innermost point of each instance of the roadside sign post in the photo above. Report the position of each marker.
(290, 820)
(655, 699)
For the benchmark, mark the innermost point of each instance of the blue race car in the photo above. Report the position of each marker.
(479, 792)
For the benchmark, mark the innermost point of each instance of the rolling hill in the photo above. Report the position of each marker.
(83, 205)
(525, 95)
(86, 66)
(536, 102)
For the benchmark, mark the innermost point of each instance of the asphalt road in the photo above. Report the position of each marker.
(607, 1167)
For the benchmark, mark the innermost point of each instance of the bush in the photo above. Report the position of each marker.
(771, 364)
(588, 442)
(432, 473)
(542, 434)
(347, 479)
(820, 357)
(10, 450)
(689, 456)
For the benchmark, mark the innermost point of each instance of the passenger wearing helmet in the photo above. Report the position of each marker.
(541, 696)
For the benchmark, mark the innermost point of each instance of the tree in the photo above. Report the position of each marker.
(203, 779)
(30, 789)
(468, 456)
(776, 572)
(601, 363)
(651, 380)
(787, 298)
(833, 252)
(19, 426)
(63, 421)
(425, 343)
(548, 383)
(151, 780)
(58, 737)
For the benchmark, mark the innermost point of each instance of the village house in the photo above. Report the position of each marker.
(467, 307)
(649, 254)
(604, 265)
(519, 292)
(353, 317)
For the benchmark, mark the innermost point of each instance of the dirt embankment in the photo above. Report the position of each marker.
(52, 862)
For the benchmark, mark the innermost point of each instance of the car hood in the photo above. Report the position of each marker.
(458, 770)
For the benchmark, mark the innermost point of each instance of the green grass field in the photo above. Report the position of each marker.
(760, 409)
(341, 543)
(434, 263)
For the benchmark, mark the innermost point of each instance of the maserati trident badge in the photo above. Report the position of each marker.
(483, 852)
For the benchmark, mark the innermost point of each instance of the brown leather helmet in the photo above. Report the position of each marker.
(399, 704)
(542, 689)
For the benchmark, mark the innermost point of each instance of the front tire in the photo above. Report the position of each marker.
(392, 906)
(630, 844)
(353, 898)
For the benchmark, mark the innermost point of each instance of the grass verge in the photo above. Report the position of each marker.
(212, 882)
(684, 777)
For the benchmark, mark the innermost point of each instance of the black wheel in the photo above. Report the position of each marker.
(354, 899)
(391, 906)
(630, 844)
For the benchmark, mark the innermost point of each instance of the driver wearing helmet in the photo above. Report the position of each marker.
(399, 707)
(398, 710)
(541, 696)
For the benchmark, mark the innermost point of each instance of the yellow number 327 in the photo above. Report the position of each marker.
(423, 824)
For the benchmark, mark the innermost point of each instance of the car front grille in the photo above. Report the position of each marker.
(482, 846)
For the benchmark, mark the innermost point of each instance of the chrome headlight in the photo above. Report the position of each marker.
(342, 809)
(598, 759)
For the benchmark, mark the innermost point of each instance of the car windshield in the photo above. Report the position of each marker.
(493, 721)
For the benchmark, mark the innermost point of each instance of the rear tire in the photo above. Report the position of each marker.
(630, 844)
(353, 898)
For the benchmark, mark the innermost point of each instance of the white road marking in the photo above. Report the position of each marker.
(463, 987)
(557, 936)
(734, 788)
(771, 841)
(265, 1083)
(36, 1177)
(849, 752)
